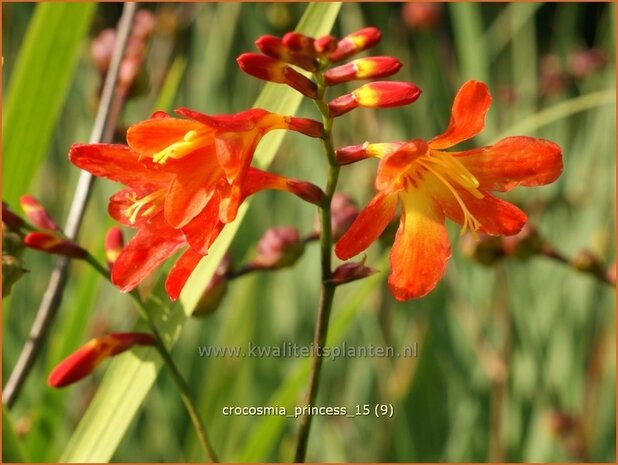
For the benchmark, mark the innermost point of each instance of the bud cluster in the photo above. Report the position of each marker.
(319, 58)
(102, 48)
(42, 233)
(49, 237)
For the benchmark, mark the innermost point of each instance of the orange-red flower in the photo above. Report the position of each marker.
(433, 184)
(185, 180)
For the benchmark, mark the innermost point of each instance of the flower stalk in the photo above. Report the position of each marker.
(327, 289)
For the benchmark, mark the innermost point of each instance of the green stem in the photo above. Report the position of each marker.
(327, 290)
(180, 382)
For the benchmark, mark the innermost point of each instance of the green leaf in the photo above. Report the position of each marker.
(39, 87)
(131, 375)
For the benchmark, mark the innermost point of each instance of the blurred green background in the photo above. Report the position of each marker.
(515, 362)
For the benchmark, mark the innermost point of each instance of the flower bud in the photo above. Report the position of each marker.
(101, 49)
(422, 16)
(355, 43)
(343, 212)
(299, 43)
(306, 191)
(351, 271)
(561, 423)
(279, 247)
(82, 362)
(12, 270)
(583, 63)
(270, 69)
(10, 218)
(363, 68)
(325, 45)
(114, 243)
(273, 47)
(306, 126)
(486, 250)
(525, 244)
(380, 94)
(354, 153)
(215, 290)
(37, 214)
(52, 244)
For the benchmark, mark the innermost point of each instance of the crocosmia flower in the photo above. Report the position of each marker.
(185, 180)
(432, 184)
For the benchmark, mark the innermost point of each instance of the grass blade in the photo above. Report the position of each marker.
(39, 86)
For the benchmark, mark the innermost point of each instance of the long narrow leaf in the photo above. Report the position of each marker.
(130, 377)
(39, 86)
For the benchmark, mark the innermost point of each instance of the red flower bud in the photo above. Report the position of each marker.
(308, 127)
(37, 214)
(351, 271)
(273, 70)
(325, 45)
(52, 244)
(273, 47)
(386, 94)
(363, 68)
(380, 94)
(10, 218)
(278, 248)
(82, 362)
(114, 243)
(300, 43)
(356, 43)
(306, 191)
(354, 153)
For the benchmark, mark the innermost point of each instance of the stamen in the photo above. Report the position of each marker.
(191, 141)
(137, 204)
(457, 171)
(463, 178)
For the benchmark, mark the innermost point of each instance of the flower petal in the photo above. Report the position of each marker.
(513, 161)
(397, 163)
(237, 122)
(118, 163)
(421, 249)
(193, 186)
(202, 230)
(368, 226)
(496, 216)
(234, 152)
(467, 115)
(152, 244)
(180, 272)
(153, 135)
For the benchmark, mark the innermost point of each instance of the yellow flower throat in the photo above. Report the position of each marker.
(452, 173)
